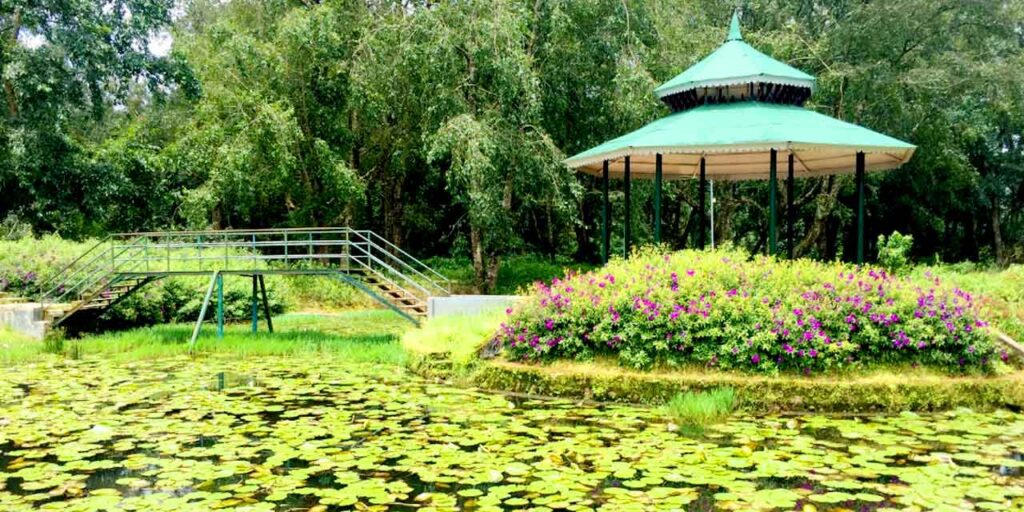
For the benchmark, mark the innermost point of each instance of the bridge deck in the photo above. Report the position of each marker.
(122, 263)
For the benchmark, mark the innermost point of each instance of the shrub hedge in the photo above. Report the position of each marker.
(725, 309)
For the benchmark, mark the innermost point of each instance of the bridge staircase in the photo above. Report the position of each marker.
(122, 264)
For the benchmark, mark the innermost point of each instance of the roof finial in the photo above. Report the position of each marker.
(734, 27)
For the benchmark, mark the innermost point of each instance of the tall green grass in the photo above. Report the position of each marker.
(460, 336)
(357, 337)
(696, 410)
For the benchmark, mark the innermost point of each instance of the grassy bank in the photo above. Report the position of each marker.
(449, 347)
(358, 336)
(879, 391)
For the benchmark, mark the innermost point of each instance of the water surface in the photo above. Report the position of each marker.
(305, 433)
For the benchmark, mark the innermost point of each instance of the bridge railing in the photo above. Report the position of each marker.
(299, 250)
(93, 268)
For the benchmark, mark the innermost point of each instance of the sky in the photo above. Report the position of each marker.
(159, 44)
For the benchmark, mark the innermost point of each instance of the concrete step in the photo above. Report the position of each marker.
(26, 318)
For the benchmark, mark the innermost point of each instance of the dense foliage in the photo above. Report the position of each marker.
(442, 124)
(724, 310)
(1000, 293)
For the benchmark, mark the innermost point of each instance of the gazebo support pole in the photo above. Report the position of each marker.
(657, 198)
(629, 211)
(773, 185)
(790, 211)
(702, 193)
(860, 207)
(605, 207)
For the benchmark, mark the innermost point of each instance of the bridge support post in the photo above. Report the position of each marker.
(255, 306)
(202, 312)
(266, 304)
(220, 305)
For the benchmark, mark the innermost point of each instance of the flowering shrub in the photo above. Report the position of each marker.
(724, 309)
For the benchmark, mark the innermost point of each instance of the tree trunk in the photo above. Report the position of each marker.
(493, 264)
(824, 206)
(726, 211)
(997, 233)
(588, 225)
(552, 249)
(394, 211)
(477, 248)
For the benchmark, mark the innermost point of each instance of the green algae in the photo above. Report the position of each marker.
(309, 433)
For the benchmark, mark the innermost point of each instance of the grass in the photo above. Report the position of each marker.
(357, 337)
(458, 336)
(871, 390)
(695, 410)
(16, 347)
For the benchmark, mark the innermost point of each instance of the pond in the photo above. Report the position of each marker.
(305, 433)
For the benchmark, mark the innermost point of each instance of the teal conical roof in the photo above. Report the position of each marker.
(734, 111)
(735, 63)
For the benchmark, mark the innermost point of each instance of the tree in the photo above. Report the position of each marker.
(63, 66)
(472, 63)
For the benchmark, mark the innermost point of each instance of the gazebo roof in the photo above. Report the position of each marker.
(735, 139)
(735, 63)
(740, 105)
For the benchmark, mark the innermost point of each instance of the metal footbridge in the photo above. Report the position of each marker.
(123, 263)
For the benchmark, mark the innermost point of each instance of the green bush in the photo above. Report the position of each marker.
(27, 263)
(1001, 292)
(723, 309)
(323, 293)
(179, 299)
(894, 252)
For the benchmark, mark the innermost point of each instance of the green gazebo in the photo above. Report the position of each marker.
(734, 114)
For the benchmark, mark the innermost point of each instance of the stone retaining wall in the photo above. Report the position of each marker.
(25, 318)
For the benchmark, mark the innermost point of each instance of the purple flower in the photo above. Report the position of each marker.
(756, 359)
(549, 324)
